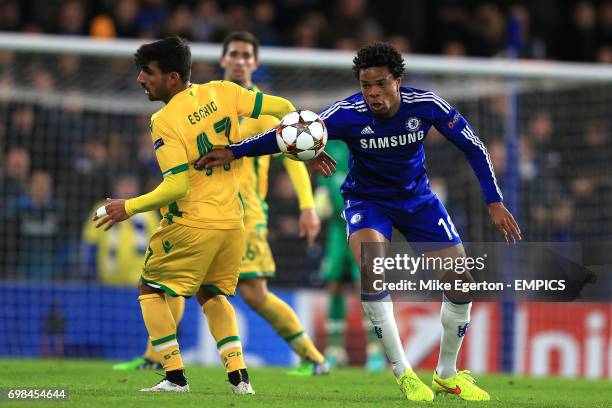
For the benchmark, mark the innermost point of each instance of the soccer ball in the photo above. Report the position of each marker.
(301, 135)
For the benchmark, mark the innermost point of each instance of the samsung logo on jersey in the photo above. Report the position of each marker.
(392, 141)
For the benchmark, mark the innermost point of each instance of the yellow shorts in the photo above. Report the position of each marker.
(180, 259)
(257, 260)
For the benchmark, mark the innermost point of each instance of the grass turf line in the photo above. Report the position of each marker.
(91, 383)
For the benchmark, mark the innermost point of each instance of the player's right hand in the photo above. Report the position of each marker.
(505, 223)
(214, 158)
(323, 163)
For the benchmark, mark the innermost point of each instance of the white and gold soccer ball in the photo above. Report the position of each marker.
(301, 135)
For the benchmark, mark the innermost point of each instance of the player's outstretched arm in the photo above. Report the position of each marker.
(276, 106)
(172, 188)
(504, 222)
(214, 158)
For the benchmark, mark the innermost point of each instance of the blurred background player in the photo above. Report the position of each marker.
(198, 247)
(338, 268)
(239, 60)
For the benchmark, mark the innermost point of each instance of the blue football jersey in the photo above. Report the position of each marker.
(387, 154)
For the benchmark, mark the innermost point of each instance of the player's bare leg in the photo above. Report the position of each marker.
(455, 318)
(162, 333)
(285, 322)
(224, 328)
(378, 307)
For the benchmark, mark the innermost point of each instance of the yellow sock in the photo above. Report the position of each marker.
(177, 308)
(224, 328)
(162, 330)
(285, 322)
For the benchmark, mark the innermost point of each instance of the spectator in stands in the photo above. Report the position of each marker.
(71, 19)
(531, 46)
(16, 174)
(115, 257)
(453, 48)
(312, 31)
(13, 183)
(237, 18)
(179, 22)
(208, 19)
(151, 17)
(401, 42)
(10, 16)
(36, 217)
(264, 16)
(580, 37)
(102, 26)
(125, 13)
(544, 155)
(605, 23)
(352, 20)
(488, 31)
(562, 222)
(89, 179)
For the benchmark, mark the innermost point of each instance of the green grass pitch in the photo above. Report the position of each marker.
(93, 384)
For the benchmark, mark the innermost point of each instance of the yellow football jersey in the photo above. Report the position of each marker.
(254, 178)
(196, 120)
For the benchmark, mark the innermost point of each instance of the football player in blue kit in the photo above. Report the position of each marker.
(384, 127)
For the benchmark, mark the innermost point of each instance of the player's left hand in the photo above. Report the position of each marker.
(115, 212)
(310, 225)
(214, 158)
(505, 223)
(323, 163)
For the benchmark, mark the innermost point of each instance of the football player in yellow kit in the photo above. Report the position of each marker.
(239, 61)
(198, 247)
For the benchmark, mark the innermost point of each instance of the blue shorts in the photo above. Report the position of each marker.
(427, 222)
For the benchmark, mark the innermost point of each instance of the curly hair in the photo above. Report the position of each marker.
(378, 54)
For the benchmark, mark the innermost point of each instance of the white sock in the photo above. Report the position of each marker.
(455, 320)
(380, 313)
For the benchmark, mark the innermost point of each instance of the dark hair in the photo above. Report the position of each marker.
(243, 36)
(172, 54)
(379, 54)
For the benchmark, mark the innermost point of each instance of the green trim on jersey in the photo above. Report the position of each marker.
(257, 106)
(175, 170)
(242, 201)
